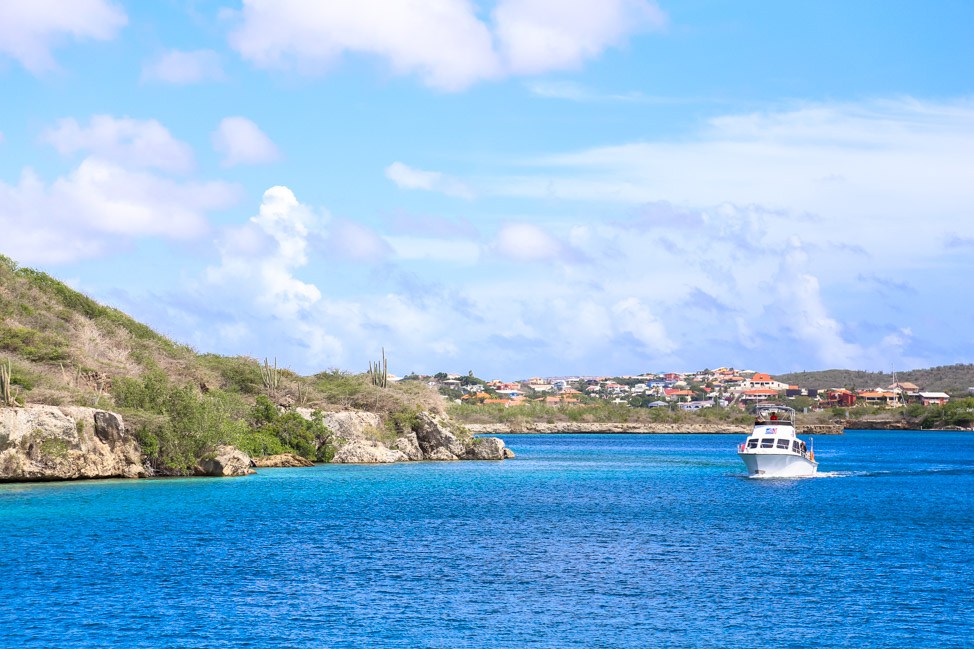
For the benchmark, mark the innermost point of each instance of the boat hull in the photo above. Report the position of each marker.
(775, 465)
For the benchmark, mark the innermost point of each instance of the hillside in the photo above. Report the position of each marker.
(63, 348)
(954, 379)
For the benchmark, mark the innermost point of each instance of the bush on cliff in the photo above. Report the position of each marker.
(272, 432)
(177, 424)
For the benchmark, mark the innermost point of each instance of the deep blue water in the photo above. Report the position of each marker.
(582, 541)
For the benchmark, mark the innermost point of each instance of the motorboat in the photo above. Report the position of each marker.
(772, 450)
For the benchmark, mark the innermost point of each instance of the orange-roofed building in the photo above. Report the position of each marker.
(884, 398)
(759, 394)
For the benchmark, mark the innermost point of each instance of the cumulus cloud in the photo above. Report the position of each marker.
(184, 67)
(30, 30)
(265, 252)
(407, 177)
(240, 141)
(540, 35)
(123, 189)
(445, 42)
(124, 141)
(98, 206)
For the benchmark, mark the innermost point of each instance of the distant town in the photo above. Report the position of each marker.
(722, 387)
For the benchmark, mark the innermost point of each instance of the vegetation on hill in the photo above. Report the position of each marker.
(63, 348)
(954, 379)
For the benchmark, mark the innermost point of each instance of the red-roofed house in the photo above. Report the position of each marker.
(840, 398)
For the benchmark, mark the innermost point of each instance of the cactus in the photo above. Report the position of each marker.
(5, 396)
(379, 371)
(270, 376)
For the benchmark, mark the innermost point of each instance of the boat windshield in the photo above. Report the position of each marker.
(765, 413)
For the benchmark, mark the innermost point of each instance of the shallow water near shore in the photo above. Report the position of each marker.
(583, 540)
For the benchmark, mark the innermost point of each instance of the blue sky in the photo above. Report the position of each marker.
(516, 187)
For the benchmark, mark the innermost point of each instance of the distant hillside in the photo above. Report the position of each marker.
(65, 349)
(948, 378)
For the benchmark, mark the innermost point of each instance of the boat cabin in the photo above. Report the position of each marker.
(769, 414)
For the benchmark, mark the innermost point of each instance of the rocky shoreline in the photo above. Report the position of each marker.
(641, 428)
(49, 443)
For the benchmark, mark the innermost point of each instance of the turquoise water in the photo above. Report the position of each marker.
(582, 541)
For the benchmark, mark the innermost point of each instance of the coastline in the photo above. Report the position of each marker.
(639, 428)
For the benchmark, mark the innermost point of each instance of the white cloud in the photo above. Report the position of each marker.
(632, 316)
(114, 196)
(444, 42)
(262, 255)
(851, 167)
(29, 30)
(240, 141)
(124, 141)
(408, 177)
(528, 242)
(99, 206)
(540, 35)
(184, 67)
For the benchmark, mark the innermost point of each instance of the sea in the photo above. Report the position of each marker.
(581, 541)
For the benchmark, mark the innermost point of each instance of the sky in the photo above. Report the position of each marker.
(512, 187)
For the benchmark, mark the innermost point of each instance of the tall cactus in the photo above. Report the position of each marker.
(270, 376)
(379, 371)
(5, 384)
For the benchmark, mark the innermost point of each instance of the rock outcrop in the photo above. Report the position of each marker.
(409, 445)
(487, 448)
(225, 461)
(364, 451)
(437, 441)
(347, 424)
(355, 435)
(284, 460)
(39, 442)
(433, 437)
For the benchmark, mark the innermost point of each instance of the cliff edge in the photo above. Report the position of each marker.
(39, 442)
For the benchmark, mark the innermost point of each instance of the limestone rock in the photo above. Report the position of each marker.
(347, 424)
(434, 436)
(282, 460)
(225, 461)
(409, 446)
(39, 442)
(367, 451)
(440, 454)
(485, 448)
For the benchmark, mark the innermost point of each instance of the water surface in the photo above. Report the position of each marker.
(583, 541)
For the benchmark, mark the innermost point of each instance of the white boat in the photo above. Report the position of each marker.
(772, 450)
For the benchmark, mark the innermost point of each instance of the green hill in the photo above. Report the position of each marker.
(954, 379)
(63, 348)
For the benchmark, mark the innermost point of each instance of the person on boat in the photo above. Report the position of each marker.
(774, 416)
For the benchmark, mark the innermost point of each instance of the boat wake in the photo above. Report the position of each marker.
(867, 474)
(820, 474)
